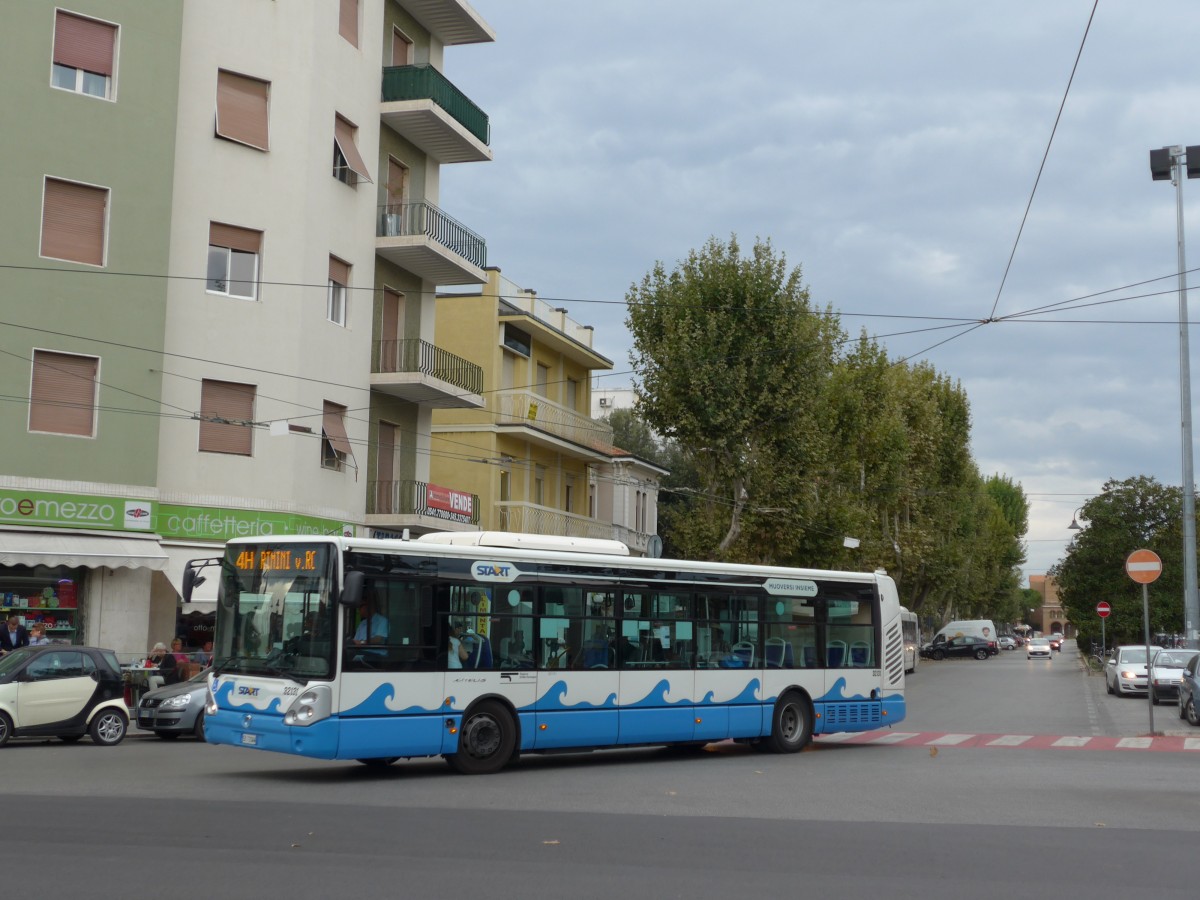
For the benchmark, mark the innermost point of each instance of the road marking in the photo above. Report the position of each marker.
(1135, 743)
(1010, 740)
(894, 737)
(949, 740)
(1191, 743)
(1071, 742)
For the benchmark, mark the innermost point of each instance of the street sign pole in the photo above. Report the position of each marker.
(1149, 671)
(1144, 567)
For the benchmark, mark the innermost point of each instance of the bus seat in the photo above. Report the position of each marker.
(744, 651)
(808, 656)
(479, 655)
(774, 653)
(860, 655)
(835, 654)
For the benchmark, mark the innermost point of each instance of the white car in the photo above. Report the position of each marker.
(1166, 673)
(1006, 642)
(1126, 670)
(1038, 648)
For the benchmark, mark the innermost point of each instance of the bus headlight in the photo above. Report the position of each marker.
(210, 704)
(314, 704)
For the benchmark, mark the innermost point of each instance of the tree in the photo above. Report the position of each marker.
(733, 363)
(634, 436)
(1127, 515)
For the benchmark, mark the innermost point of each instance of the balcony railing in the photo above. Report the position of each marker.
(413, 498)
(535, 411)
(426, 220)
(427, 83)
(415, 355)
(529, 518)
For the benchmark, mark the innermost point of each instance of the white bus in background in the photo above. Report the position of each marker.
(482, 646)
(911, 626)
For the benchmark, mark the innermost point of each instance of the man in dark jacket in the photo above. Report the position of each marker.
(13, 635)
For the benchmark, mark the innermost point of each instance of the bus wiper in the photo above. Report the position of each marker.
(280, 664)
(233, 660)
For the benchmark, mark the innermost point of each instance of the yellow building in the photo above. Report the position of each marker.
(533, 455)
(1050, 617)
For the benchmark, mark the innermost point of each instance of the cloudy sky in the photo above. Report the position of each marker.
(889, 148)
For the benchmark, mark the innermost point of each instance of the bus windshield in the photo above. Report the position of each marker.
(275, 615)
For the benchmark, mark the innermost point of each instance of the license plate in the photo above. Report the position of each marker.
(250, 739)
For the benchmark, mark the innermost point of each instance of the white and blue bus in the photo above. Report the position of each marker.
(911, 626)
(482, 646)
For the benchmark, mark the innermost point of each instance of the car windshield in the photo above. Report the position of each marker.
(11, 661)
(1168, 660)
(1133, 655)
(1039, 642)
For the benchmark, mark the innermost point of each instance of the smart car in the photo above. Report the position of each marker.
(57, 690)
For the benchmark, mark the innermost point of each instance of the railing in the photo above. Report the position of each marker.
(410, 498)
(415, 355)
(427, 83)
(534, 410)
(634, 540)
(529, 518)
(426, 220)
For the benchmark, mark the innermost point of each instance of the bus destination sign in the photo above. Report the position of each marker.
(276, 559)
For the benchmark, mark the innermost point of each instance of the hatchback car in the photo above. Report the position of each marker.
(1038, 648)
(1006, 642)
(963, 645)
(1056, 640)
(57, 690)
(1166, 673)
(1126, 670)
(175, 709)
(1189, 692)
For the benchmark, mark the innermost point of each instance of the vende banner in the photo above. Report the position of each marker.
(444, 503)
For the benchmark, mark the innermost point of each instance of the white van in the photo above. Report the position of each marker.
(982, 628)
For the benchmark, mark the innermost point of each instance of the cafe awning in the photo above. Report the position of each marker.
(204, 596)
(92, 551)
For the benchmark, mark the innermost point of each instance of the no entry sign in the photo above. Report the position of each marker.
(1103, 609)
(1143, 566)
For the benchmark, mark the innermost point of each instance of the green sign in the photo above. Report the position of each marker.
(208, 523)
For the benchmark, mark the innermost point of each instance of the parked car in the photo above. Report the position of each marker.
(57, 690)
(1189, 692)
(1039, 648)
(175, 709)
(963, 645)
(1166, 672)
(1126, 669)
(1006, 642)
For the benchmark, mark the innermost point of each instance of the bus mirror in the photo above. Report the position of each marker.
(191, 579)
(352, 590)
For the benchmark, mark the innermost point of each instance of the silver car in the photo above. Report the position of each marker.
(175, 709)
(1166, 673)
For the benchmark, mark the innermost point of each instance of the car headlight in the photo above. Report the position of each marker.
(1130, 674)
(177, 702)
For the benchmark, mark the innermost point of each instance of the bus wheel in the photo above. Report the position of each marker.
(486, 741)
(791, 725)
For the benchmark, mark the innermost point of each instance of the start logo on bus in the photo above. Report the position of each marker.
(493, 570)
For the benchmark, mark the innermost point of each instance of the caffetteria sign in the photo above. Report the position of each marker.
(45, 509)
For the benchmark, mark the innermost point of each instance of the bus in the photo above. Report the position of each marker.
(911, 626)
(482, 646)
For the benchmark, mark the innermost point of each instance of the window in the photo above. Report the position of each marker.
(62, 396)
(543, 380)
(233, 260)
(401, 48)
(73, 221)
(348, 21)
(335, 445)
(571, 401)
(226, 417)
(348, 165)
(84, 55)
(339, 280)
(539, 485)
(242, 109)
(516, 340)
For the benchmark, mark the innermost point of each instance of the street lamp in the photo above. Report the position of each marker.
(1165, 165)
(1075, 526)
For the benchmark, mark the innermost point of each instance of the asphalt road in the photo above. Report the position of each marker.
(184, 819)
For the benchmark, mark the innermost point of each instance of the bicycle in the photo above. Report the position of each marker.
(1097, 660)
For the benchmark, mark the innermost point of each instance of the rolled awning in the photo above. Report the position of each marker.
(204, 596)
(92, 551)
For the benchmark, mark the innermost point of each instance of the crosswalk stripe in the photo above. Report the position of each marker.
(1135, 743)
(950, 740)
(894, 737)
(1071, 742)
(1010, 740)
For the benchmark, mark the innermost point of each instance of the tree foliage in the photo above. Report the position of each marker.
(1137, 513)
(786, 443)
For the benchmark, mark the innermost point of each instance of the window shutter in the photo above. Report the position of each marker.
(339, 271)
(242, 109)
(244, 239)
(343, 134)
(62, 397)
(73, 222)
(230, 401)
(335, 428)
(348, 21)
(84, 43)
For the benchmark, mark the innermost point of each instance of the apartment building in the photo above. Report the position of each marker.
(223, 245)
(533, 455)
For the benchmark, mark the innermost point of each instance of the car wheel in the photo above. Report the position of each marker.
(198, 728)
(981, 654)
(486, 740)
(1179, 703)
(1108, 685)
(1192, 717)
(108, 727)
(5, 728)
(791, 725)
(938, 654)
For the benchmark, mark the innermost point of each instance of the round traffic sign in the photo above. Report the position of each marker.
(1143, 566)
(1103, 609)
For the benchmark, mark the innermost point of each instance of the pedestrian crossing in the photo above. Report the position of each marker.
(1166, 743)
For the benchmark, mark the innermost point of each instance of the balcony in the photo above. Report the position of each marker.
(530, 518)
(423, 106)
(419, 372)
(419, 505)
(424, 240)
(541, 416)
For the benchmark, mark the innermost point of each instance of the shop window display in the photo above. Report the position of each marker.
(46, 596)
